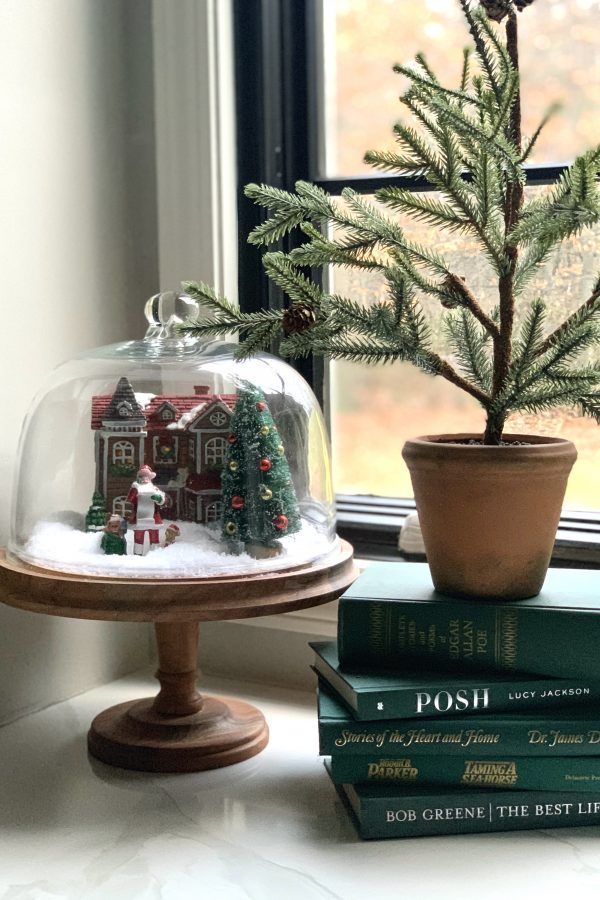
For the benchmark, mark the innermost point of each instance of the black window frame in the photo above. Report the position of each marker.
(276, 72)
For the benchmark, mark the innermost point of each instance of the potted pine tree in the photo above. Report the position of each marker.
(489, 504)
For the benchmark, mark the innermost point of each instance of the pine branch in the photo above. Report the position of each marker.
(589, 405)
(208, 297)
(466, 70)
(423, 208)
(458, 289)
(581, 316)
(447, 372)
(299, 288)
(390, 234)
(257, 338)
(288, 210)
(393, 162)
(417, 79)
(573, 204)
(502, 62)
(530, 340)
(552, 365)
(454, 187)
(568, 395)
(495, 142)
(529, 263)
(422, 61)
(488, 63)
(469, 344)
(548, 115)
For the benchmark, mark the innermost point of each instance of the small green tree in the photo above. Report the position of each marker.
(95, 518)
(259, 501)
(466, 142)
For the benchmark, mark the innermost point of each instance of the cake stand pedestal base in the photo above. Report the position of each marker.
(179, 730)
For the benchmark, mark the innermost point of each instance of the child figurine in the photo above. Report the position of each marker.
(146, 500)
(113, 540)
(172, 532)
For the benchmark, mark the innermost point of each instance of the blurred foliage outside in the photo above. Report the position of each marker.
(375, 409)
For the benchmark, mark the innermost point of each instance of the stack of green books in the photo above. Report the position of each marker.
(442, 716)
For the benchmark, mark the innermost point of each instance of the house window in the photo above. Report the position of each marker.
(164, 449)
(215, 451)
(218, 418)
(123, 453)
(124, 409)
(214, 512)
(167, 415)
(121, 507)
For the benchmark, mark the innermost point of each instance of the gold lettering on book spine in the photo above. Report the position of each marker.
(377, 627)
(507, 634)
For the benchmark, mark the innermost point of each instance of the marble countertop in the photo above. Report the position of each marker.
(271, 828)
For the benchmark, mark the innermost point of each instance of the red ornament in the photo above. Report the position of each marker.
(238, 502)
(281, 522)
(261, 406)
(231, 438)
(265, 464)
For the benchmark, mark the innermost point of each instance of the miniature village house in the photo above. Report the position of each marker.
(182, 438)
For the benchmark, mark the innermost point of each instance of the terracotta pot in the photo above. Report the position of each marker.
(489, 514)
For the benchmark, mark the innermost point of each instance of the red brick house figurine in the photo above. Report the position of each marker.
(182, 438)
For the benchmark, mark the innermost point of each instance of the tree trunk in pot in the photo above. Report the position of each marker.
(489, 514)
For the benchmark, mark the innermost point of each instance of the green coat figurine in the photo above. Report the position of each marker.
(113, 541)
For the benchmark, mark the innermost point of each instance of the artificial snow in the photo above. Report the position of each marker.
(144, 399)
(197, 553)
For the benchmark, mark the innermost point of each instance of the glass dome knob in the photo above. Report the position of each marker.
(165, 311)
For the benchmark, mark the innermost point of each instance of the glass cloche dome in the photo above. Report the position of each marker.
(167, 458)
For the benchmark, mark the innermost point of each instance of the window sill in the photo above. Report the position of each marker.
(372, 525)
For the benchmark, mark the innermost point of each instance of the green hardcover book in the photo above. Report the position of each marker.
(389, 696)
(392, 616)
(511, 734)
(384, 811)
(576, 773)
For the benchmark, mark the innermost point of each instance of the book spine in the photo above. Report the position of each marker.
(382, 817)
(444, 700)
(385, 635)
(460, 737)
(523, 773)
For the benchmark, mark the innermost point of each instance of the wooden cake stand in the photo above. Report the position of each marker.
(179, 730)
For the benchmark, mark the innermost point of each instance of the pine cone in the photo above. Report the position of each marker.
(497, 9)
(298, 318)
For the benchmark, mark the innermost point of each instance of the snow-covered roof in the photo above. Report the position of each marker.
(187, 407)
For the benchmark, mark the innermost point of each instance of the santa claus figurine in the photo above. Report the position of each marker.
(146, 500)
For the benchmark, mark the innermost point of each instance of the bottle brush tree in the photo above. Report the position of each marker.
(95, 518)
(259, 500)
(466, 141)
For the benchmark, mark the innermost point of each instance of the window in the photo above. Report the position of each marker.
(192, 448)
(214, 512)
(123, 453)
(165, 449)
(124, 409)
(314, 91)
(215, 451)
(218, 418)
(121, 507)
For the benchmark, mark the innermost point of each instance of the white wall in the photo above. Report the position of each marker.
(78, 257)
